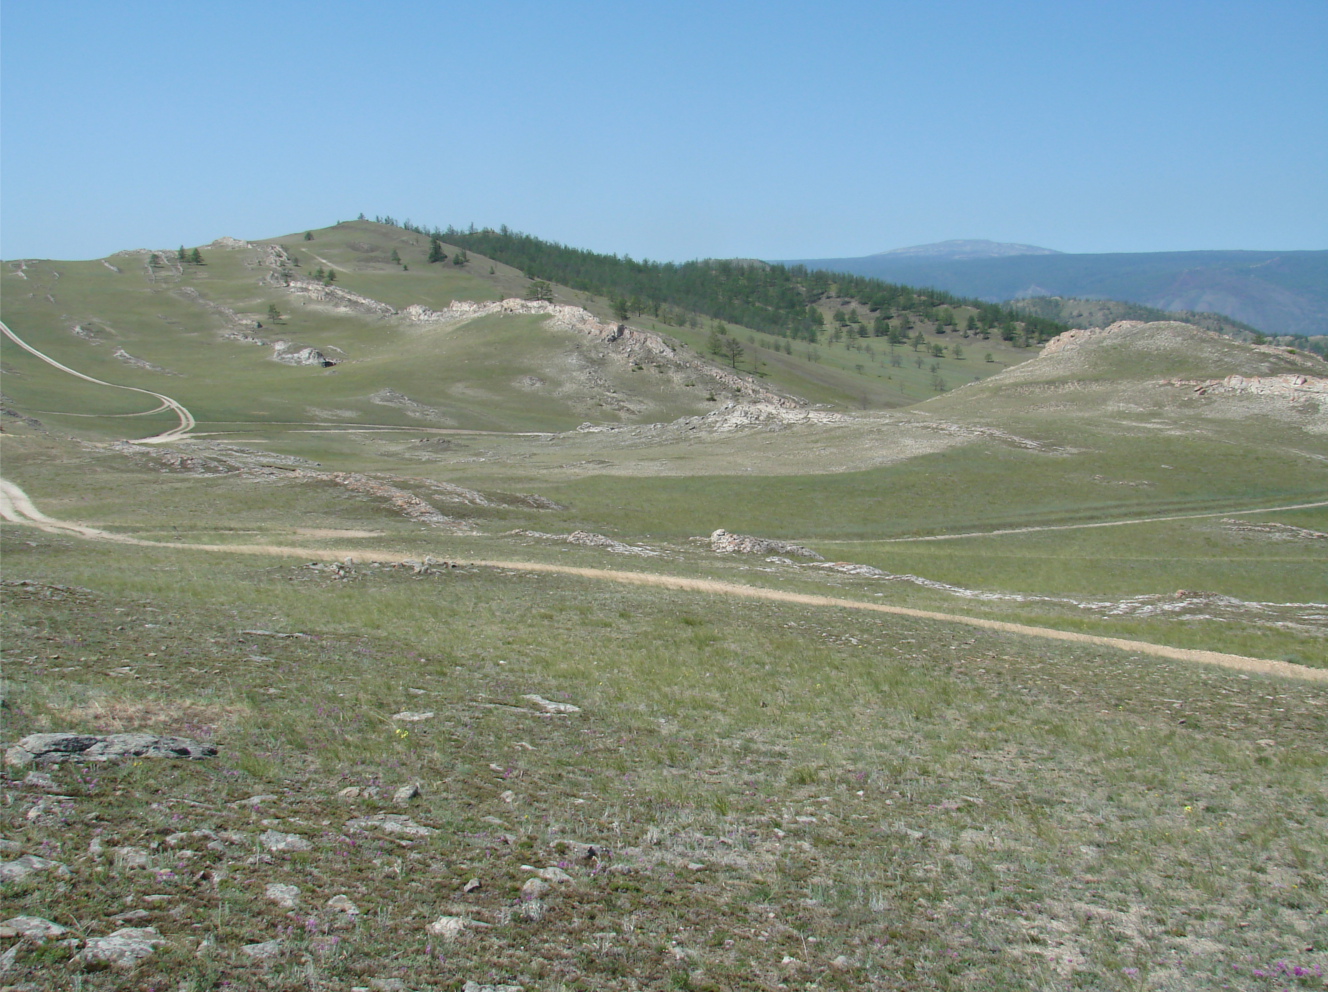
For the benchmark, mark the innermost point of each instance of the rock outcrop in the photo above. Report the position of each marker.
(1289, 387)
(290, 353)
(722, 542)
(338, 298)
(52, 748)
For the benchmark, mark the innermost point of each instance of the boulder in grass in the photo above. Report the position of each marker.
(53, 748)
(29, 864)
(280, 843)
(34, 927)
(390, 823)
(264, 951)
(121, 950)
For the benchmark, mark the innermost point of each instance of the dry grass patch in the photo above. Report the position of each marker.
(181, 717)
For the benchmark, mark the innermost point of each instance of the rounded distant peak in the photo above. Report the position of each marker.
(963, 250)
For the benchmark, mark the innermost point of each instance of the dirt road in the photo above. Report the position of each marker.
(17, 508)
(176, 433)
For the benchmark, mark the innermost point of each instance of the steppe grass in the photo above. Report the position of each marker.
(777, 795)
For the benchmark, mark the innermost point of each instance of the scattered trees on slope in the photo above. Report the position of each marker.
(776, 299)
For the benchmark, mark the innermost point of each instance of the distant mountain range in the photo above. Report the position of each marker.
(975, 248)
(1276, 292)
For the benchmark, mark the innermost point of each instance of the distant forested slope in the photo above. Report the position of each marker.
(775, 299)
(1276, 292)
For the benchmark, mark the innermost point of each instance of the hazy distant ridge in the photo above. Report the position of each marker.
(966, 249)
(1277, 292)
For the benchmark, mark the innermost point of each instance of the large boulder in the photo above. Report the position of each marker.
(52, 748)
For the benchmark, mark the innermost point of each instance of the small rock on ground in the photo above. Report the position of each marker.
(265, 951)
(406, 793)
(390, 823)
(121, 950)
(409, 716)
(130, 857)
(449, 927)
(285, 896)
(549, 706)
(39, 780)
(277, 842)
(343, 903)
(34, 927)
(29, 864)
(477, 987)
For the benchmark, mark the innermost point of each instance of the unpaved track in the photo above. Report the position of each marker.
(16, 507)
(1102, 523)
(176, 433)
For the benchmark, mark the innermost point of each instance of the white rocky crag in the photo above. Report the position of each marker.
(735, 416)
(634, 343)
(724, 543)
(1288, 386)
(341, 299)
(564, 317)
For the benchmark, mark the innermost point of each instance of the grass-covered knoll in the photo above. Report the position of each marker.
(775, 795)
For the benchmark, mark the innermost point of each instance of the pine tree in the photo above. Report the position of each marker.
(460, 258)
(308, 235)
(180, 256)
(318, 274)
(396, 257)
(196, 257)
(273, 314)
(436, 251)
(331, 276)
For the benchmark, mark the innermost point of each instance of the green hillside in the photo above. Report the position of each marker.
(202, 321)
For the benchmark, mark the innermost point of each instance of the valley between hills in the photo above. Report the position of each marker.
(554, 635)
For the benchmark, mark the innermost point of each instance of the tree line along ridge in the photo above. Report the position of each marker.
(775, 299)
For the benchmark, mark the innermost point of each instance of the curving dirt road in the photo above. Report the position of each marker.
(176, 433)
(16, 507)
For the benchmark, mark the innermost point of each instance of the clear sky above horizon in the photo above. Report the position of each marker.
(669, 131)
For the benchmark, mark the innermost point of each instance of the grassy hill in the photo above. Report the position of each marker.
(201, 322)
(1017, 721)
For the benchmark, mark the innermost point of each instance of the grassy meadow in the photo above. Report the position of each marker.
(750, 793)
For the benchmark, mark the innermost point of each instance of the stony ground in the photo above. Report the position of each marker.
(511, 779)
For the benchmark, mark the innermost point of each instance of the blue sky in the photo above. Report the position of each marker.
(669, 130)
